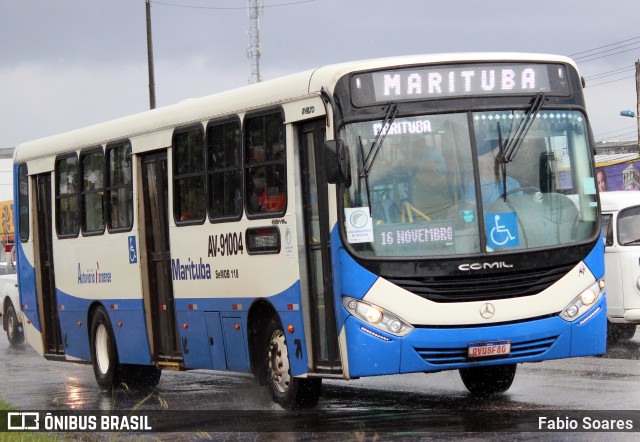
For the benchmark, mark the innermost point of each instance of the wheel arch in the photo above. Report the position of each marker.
(259, 316)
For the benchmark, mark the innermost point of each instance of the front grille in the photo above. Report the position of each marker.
(445, 356)
(484, 287)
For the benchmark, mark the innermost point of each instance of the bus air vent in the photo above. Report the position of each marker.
(482, 287)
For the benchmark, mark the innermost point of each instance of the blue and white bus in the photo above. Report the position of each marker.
(409, 214)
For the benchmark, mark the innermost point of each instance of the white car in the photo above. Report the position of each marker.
(10, 306)
(621, 234)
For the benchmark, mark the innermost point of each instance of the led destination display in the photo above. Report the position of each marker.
(457, 81)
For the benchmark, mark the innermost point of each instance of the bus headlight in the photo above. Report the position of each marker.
(588, 297)
(373, 314)
(377, 317)
(583, 302)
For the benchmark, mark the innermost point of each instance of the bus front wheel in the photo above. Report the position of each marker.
(104, 354)
(486, 381)
(620, 332)
(288, 391)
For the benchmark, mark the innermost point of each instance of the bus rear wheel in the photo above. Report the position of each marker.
(14, 330)
(104, 354)
(487, 381)
(287, 391)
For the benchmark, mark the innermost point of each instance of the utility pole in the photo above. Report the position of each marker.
(152, 82)
(254, 50)
(638, 101)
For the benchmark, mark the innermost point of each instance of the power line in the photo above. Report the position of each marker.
(619, 130)
(633, 135)
(230, 8)
(607, 50)
(610, 73)
(605, 46)
(604, 51)
(584, 60)
(610, 81)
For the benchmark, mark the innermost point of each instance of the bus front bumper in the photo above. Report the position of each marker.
(429, 349)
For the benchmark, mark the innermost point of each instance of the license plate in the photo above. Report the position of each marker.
(487, 349)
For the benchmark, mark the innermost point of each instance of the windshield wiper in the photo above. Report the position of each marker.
(389, 117)
(508, 152)
(514, 143)
(367, 163)
(631, 243)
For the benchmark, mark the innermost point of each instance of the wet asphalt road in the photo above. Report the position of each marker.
(612, 382)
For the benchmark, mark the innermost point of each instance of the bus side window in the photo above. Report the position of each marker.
(265, 156)
(224, 169)
(92, 191)
(189, 175)
(607, 230)
(119, 187)
(67, 218)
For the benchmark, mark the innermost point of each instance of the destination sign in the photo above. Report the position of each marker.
(424, 82)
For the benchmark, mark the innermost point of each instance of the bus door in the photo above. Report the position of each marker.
(159, 296)
(326, 356)
(45, 274)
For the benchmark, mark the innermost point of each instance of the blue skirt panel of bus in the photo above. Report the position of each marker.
(131, 338)
(213, 331)
(372, 352)
(127, 322)
(349, 277)
(27, 287)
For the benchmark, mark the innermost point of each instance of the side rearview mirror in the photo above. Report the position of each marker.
(336, 162)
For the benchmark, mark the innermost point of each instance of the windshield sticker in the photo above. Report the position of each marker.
(468, 216)
(359, 225)
(501, 230)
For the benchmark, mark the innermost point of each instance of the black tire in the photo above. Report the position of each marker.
(104, 354)
(487, 381)
(620, 332)
(14, 329)
(140, 377)
(289, 392)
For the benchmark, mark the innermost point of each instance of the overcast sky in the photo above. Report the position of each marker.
(65, 64)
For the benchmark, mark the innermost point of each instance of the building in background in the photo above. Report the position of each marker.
(618, 171)
(6, 174)
(6, 204)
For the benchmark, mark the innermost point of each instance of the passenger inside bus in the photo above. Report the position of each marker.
(430, 189)
(412, 182)
(257, 193)
(490, 161)
(267, 191)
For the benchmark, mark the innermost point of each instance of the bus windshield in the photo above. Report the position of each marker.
(469, 183)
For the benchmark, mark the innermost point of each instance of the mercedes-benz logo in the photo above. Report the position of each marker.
(487, 310)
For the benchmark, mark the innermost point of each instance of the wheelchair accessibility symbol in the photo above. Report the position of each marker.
(502, 230)
(133, 250)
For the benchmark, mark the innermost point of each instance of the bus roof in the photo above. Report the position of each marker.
(237, 101)
(619, 199)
